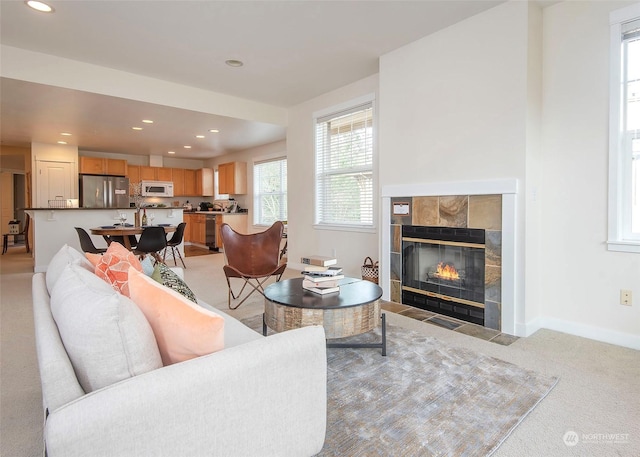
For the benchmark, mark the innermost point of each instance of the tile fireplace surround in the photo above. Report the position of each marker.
(488, 205)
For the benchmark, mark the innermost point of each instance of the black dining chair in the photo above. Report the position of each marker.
(152, 241)
(24, 234)
(86, 243)
(173, 244)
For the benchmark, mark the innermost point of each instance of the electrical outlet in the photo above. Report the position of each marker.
(625, 297)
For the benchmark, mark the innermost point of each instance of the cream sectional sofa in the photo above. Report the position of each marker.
(259, 396)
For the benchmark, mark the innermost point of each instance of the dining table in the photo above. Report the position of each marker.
(107, 231)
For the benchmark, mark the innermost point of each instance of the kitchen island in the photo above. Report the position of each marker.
(54, 227)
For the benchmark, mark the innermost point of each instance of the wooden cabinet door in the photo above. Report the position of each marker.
(190, 187)
(92, 165)
(116, 167)
(225, 178)
(201, 229)
(233, 178)
(206, 182)
(133, 173)
(187, 229)
(147, 173)
(164, 174)
(177, 175)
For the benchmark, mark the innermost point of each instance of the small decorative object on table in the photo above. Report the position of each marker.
(370, 270)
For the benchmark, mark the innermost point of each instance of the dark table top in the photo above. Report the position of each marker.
(353, 292)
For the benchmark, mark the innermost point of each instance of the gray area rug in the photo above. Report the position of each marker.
(423, 399)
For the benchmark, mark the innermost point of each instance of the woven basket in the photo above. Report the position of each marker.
(370, 270)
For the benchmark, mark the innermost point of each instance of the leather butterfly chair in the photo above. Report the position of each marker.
(152, 241)
(173, 244)
(87, 244)
(252, 258)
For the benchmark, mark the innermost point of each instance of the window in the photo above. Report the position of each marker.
(270, 191)
(624, 154)
(344, 167)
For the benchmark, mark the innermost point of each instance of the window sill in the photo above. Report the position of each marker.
(623, 246)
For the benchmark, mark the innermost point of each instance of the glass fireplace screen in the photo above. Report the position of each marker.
(443, 270)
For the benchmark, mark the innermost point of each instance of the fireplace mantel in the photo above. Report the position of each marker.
(508, 189)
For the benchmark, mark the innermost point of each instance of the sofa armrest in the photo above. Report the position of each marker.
(266, 397)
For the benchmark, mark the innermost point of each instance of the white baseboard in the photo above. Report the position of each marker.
(586, 331)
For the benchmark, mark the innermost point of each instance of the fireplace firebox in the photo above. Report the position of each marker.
(443, 270)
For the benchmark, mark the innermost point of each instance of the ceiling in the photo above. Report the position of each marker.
(292, 51)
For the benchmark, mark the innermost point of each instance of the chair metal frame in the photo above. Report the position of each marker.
(253, 258)
(173, 243)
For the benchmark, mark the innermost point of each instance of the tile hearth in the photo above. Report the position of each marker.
(477, 331)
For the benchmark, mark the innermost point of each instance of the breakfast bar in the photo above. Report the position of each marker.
(54, 227)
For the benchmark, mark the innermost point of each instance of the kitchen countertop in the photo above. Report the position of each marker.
(216, 212)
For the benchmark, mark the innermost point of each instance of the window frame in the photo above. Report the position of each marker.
(257, 193)
(337, 110)
(620, 237)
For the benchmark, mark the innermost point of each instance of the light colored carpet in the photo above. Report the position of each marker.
(597, 393)
(423, 399)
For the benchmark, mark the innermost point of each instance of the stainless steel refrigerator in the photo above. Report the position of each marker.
(104, 191)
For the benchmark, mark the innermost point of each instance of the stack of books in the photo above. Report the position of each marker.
(321, 275)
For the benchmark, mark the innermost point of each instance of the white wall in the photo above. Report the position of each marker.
(350, 247)
(454, 107)
(583, 280)
(505, 94)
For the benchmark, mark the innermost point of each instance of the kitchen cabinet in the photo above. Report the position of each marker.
(204, 182)
(196, 229)
(102, 166)
(232, 178)
(177, 175)
(148, 173)
(190, 185)
(164, 174)
(133, 173)
(237, 221)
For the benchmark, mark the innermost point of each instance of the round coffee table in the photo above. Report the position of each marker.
(352, 311)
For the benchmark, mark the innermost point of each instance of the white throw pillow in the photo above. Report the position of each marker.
(65, 256)
(107, 337)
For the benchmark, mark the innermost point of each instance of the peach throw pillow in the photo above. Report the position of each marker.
(183, 329)
(93, 258)
(114, 265)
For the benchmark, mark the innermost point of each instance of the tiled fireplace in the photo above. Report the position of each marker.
(446, 252)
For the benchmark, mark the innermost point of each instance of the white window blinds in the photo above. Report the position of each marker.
(270, 191)
(344, 167)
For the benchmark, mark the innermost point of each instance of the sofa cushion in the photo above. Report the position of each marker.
(165, 276)
(183, 330)
(107, 337)
(114, 267)
(60, 260)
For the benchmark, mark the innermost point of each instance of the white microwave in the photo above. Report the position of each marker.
(157, 189)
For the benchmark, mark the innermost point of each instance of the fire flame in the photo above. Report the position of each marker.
(447, 271)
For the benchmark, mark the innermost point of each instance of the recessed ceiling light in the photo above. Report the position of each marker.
(199, 136)
(136, 128)
(171, 152)
(147, 121)
(187, 147)
(234, 63)
(39, 6)
(65, 134)
(214, 130)
(62, 142)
